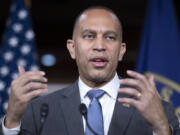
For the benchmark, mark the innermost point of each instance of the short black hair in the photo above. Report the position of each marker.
(97, 7)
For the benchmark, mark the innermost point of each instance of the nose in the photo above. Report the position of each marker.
(99, 44)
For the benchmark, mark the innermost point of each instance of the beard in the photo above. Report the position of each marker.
(96, 77)
(100, 80)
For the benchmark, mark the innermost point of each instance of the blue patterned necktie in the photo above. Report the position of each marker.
(94, 115)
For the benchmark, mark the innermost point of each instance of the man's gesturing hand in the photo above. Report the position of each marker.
(147, 101)
(27, 86)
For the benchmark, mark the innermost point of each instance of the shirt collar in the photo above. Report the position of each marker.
(111, 88)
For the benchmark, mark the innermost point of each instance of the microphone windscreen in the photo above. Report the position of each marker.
(44, 110)
(83, 109)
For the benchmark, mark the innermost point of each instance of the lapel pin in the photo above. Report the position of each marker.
(126, 105)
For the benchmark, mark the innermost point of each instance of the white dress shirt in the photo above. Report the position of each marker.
(107, 101)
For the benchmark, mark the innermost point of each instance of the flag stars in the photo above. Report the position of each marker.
(17, 27)
(5, 105)
(29, 35)
(2, 85)
(22, 62)
(8, 56)
(22, 14)
(34, 67)
(4, 71)
(25, 49)
(18, 49)
(9, 90)
(14, 75)
(13, 41)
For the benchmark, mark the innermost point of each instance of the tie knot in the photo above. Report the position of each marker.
(95, 94)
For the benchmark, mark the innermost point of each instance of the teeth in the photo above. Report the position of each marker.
(98, 60)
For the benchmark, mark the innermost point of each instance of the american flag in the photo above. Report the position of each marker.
(18, 48)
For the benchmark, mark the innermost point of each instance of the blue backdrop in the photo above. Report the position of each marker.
(159, 52)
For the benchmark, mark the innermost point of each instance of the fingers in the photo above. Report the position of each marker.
(133, 83)
(138, 76)
(139, 81)
(36, 76)
(25, 77)
(21, 69)
(28, 82)
(147, 100)
(140, 87)
(131, 91)
(35, 93)
(34, 86)
(130, 101)
(151, 80)
(27, 86)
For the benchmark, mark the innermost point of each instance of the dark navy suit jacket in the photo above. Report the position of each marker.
(64, 117)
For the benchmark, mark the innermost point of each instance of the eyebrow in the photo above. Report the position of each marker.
(111, 32)
(94, 32)
(88, 31)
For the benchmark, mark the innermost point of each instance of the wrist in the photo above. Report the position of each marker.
(163, 130)
(11, 122)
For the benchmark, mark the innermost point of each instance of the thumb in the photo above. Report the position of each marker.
(21, 69)
(151, 80)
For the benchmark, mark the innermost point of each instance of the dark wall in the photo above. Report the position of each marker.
(53, 22)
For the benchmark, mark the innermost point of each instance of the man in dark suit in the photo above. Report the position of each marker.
(97, 47)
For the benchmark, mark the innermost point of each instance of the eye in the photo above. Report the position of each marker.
(88, 36)
(110, 38)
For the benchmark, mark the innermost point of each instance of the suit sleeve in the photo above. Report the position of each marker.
(172, 118)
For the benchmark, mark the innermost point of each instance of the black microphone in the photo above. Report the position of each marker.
(84, 111)
(43, 115)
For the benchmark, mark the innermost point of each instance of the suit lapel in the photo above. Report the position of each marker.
(70, 106)
(121, 118)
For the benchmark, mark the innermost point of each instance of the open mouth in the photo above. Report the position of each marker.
(99, 62)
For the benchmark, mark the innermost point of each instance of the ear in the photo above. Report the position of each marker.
(122, 51)
(71, 48)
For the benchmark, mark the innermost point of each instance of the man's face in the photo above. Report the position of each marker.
(97, 47)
